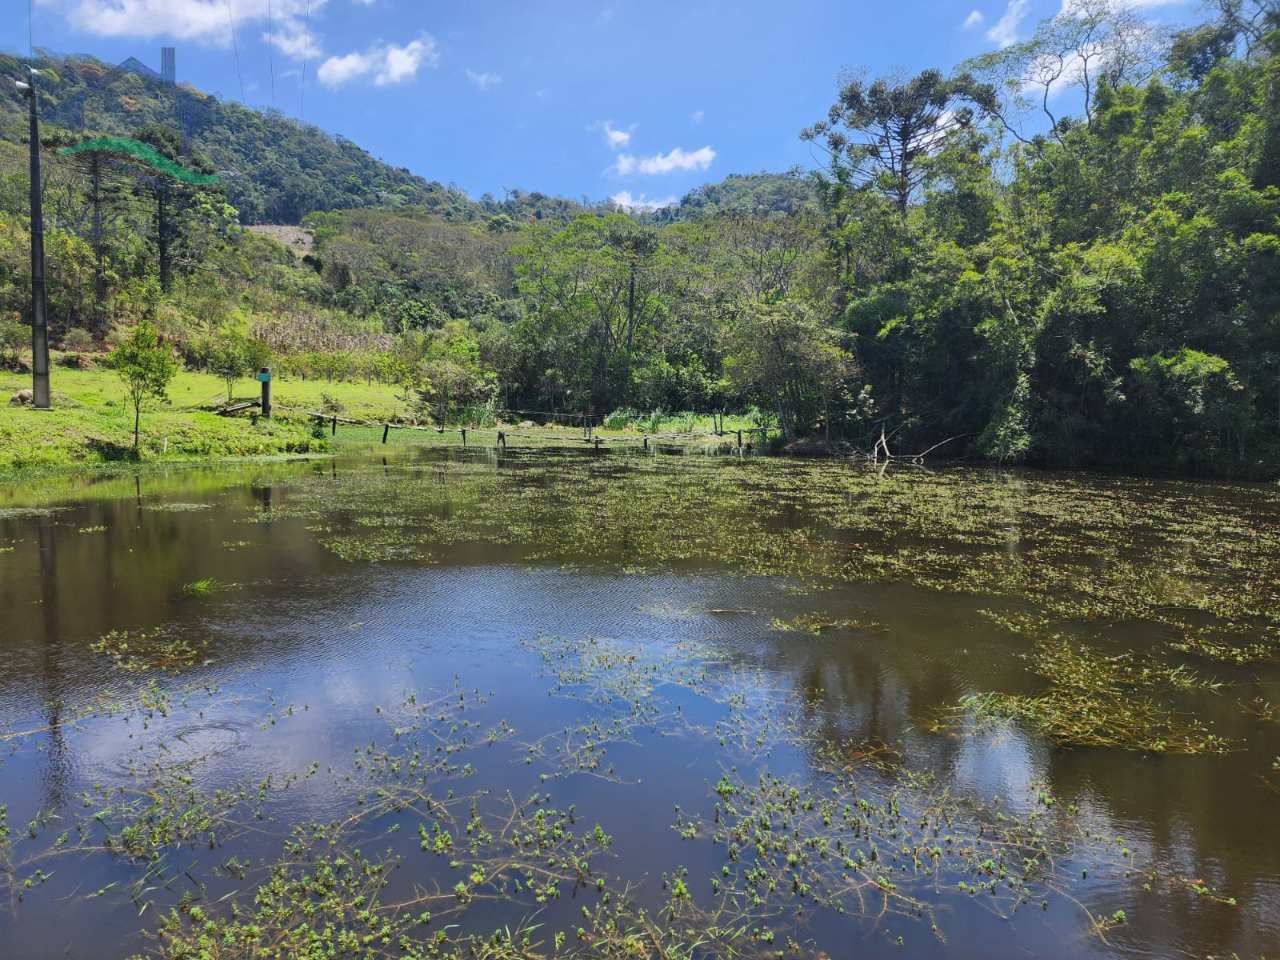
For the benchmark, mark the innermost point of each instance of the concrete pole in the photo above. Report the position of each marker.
(39, 316)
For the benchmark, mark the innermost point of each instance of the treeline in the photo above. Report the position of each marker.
(974, 266)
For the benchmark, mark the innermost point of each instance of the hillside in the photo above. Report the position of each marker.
(281, 169)
(753, 194)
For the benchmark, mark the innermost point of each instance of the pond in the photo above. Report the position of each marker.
(551, 703)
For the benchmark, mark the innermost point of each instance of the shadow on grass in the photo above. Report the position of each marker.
(109, 450)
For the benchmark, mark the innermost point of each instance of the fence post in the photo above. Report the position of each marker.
(502, 440)
(739, 439)
(386, 428)
(334, 432)
(463, 431)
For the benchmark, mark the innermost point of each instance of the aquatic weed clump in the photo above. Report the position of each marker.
(1101, 701)
(203, 587)
(142, 651)
(817, 624)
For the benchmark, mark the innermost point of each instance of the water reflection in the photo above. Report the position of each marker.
(313, 656)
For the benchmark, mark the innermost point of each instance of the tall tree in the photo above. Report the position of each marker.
(879, 134)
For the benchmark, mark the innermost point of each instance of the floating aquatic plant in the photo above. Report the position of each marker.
(1101, 701)
(140, 651)
(200, 588)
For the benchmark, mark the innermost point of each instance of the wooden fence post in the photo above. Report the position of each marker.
(334, 432)
(386, 428)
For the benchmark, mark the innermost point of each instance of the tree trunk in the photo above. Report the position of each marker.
(162, 238)
(99, 248)
(788, 429)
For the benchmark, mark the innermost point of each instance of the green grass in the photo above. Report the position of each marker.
(91, 421)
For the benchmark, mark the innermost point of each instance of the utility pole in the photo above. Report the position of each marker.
(39, 319)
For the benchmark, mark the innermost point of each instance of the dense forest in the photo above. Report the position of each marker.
(971, 265)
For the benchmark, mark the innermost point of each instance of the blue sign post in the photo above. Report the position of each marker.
(264, 377)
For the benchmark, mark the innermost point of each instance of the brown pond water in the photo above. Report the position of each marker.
(768, 683)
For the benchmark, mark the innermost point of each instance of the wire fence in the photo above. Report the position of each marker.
(741, 438)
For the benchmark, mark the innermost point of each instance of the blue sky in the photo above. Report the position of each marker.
(638, 99)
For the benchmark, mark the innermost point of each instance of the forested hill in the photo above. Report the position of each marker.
(282, 169)
(753, 194)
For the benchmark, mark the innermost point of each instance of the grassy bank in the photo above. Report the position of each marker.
(91, 421)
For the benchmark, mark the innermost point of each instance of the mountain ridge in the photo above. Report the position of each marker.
(278, 169)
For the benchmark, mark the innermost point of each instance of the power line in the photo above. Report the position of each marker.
(271, 60)
(235, 47)
(302, 85)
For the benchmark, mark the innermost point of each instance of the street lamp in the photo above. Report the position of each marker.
(39, 320)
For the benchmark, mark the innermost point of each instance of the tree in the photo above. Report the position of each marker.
(146, 366)
(229, 360)
(879, 134)
(593, 290)
(1248, 20)
(452, 375)
(1192, 407)
(781, 356)
(1089, 45)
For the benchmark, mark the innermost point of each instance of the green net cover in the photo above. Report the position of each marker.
(143, 153)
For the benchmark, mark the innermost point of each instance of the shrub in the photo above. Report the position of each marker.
(77, 340)
(14, 335)
(619, 419)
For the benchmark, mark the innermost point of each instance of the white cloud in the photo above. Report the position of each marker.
(336, 71)
(485, 80)
(402, 63)
(388, 64)
(677, 159)
(1005, 30)
(294, 40)
(615, 138)
(698, 116)
(200, 21)
(626, 201)
(974, 20)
